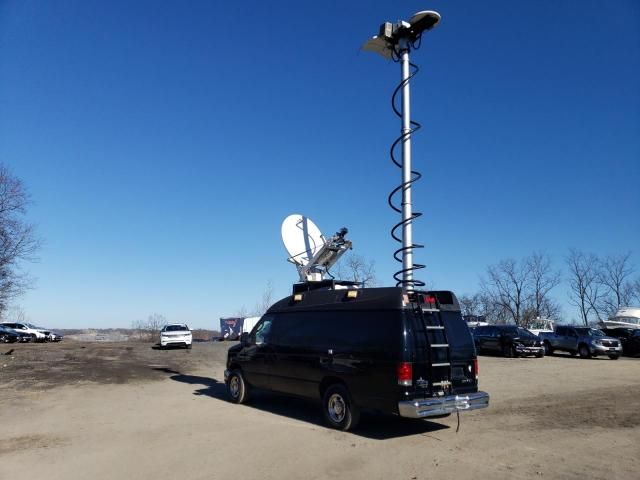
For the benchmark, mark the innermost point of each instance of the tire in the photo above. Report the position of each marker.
(339, 410)
(540, 354)
(614, 357)
(584, 352)
(237, 388)
(189, 347)
(507, 351)
(548, 349)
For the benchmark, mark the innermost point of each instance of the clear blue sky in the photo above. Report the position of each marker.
(164, 142)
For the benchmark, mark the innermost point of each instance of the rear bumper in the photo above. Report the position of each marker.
(431, 407)
(526, 349)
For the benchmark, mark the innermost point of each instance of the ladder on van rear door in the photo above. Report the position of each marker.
(438, 350)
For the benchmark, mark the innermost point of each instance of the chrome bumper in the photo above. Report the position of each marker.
(524, 349)
(601, 349)
(430, 407)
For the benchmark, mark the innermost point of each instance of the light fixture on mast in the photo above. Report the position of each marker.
(395, 41)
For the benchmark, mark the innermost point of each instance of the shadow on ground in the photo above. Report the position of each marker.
(374, 426)
(157, 346)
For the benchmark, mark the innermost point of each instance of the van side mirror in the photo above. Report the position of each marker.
(244, 339)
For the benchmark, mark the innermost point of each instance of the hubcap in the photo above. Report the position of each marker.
(337, 408)
(234, 386)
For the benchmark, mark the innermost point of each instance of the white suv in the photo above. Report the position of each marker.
(175, 334)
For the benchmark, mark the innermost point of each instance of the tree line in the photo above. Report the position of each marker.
(520, 291)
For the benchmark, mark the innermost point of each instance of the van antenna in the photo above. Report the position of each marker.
(394, 42)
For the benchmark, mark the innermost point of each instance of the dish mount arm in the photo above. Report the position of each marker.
(326, 256)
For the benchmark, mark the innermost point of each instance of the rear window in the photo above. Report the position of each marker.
(175, 328)
(458, 336)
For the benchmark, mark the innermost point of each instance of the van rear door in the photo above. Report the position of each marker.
(443, 352)
(462, 353)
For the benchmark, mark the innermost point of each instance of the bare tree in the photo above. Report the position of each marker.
(615, 271)
(543, 279)
(265, 302)
(585, 288)
(635, 291)
(18, 241)
(358, 269)
(16, 314)
(506, 287)
(242, 312)
(149, 329)
(470, 304)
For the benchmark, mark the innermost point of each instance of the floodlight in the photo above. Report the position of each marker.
(391, 35)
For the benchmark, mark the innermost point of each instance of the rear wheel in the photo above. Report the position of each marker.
(339, 409)
(584, 352)
(237, 387)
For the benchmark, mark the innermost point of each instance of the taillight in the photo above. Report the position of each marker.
(475, 367)
(405, 374)
(430, 300)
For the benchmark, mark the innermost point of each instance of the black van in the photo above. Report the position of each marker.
(371, 348)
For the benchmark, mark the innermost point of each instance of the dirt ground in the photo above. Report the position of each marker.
(125, 410)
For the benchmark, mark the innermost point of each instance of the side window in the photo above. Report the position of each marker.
(298, 330)
(262, 333)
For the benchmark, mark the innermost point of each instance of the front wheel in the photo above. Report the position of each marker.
(548, 349)
(339, 410)
(237, 388)
(584, 351)
(614, 357)
(508, 351)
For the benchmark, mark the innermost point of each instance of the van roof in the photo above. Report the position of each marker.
(366, 299)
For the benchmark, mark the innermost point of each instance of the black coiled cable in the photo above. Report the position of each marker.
(415, 176)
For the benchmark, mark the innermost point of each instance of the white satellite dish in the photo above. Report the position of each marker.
(312, 253)
(302, 238)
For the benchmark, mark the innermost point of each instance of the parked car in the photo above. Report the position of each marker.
(509, 340)
(370, 348)
(176, 334)
(36, 334)
(629, 337)
(55, 337)
(586, 341)
(9, 335)
(540, 325)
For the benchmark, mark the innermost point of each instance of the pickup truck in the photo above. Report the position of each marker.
(585, 341)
